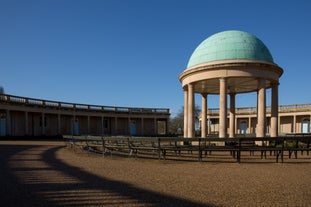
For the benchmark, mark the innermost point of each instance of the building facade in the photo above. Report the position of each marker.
(22, 116)
(291, 119)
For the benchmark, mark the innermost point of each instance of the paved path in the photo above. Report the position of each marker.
(47, 174)
(31, 175)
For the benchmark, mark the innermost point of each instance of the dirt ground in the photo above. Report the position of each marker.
(46, 173)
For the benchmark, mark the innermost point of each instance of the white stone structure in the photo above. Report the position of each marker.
(229, 63)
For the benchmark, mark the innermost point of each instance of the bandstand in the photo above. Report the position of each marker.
(226, 64)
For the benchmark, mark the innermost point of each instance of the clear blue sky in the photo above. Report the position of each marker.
(130, 52)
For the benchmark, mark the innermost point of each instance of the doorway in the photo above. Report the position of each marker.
(305, 126)
(243, 127)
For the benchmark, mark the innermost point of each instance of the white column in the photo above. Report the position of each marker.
(190, 111)
(223, 108)
(208, 125)
(232, 116)
(261, 108)
(204, 115)
(274, 111)
(185, 113)
(249, 124)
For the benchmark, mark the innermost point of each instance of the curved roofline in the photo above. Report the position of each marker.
(230, 45)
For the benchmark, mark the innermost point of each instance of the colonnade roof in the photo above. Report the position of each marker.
(230, 45)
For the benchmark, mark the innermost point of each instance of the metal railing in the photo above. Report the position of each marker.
(179, 147)
(6, 98)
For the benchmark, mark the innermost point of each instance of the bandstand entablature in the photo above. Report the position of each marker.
(242, 75)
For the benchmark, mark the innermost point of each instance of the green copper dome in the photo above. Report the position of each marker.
(230, 45)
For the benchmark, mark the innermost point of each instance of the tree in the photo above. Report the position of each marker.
(1, 90)
(176, 125)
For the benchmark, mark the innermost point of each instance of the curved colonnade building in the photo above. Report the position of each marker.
(21, 116)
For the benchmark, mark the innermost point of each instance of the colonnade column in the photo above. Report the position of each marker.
(26, 123)
(115, 129)
(204, 115)
(8, 123)
(249, 124)
(59, 124)
(190, 118)
(294, 124)
(274, 111)
(209, 125)
(142, 127)
(223, 108)
(155, 122)
(43, 123)
(185, 113)
(88, 125)
(232, 116)
(261, 108)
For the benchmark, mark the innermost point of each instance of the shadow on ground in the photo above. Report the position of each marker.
(31, 175)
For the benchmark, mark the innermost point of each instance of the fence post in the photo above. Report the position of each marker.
(103, 142)
(238, 156)
(282, 152)
(159, 148)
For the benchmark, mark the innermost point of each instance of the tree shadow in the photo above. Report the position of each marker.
(33, 176)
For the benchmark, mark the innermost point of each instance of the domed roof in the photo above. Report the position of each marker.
(230, 45)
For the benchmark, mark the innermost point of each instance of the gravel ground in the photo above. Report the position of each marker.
(45, 173)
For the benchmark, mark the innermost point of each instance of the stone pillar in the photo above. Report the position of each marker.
(223, 108)
(249, 124)
(59, 130)
(274, 111)
(261, 109)
(232, 116)
(209, 125)
(26, 123)
(155, 126)
(142, 126)
(101, 125)
(185, 113)
(88, 125)
(8, 123)
(294, 124)
(204, 115)
(115, 130)
(190, 118)
(43, 124)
